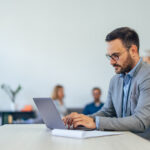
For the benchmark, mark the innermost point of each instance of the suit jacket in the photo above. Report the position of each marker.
(138, 107)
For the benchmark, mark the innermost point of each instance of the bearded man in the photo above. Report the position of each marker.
(127, 107)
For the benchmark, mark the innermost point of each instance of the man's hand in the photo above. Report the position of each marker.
(76, 119)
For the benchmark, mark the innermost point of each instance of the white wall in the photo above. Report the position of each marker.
(46, 42)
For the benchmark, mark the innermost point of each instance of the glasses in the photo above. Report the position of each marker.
(114, 56)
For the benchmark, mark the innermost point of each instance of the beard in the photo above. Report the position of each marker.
(125, 67)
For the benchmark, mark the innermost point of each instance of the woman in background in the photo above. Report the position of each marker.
(58, 96)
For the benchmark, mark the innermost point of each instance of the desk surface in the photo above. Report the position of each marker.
(38, 137)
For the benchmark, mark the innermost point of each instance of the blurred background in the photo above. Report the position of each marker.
(48, 42)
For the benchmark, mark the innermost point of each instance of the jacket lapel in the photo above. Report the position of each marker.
(120, 97)
(132, 89)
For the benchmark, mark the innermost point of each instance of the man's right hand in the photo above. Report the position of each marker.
(68, 120)
(76, 120)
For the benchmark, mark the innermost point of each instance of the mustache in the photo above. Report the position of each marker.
(116, 65)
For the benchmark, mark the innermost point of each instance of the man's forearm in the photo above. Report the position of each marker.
(131, 123)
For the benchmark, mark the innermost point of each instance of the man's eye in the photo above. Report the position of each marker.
(114, 55)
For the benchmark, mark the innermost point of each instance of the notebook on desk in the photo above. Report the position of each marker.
(82, 134)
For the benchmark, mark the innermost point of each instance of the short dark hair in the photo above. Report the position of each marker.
(97, 88)
(127, 35)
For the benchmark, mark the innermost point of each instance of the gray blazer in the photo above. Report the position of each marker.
(138, 108)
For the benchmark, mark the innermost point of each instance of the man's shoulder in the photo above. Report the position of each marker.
(144, 72)
(145, 68)
(102, 103)
(90, 104)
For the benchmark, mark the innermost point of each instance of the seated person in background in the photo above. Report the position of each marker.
(146, 58)
(96, 105)
(57, 96)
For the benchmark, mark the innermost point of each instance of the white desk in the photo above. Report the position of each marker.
(37, 137)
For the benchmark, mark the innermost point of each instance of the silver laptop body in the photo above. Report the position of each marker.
(49, 113)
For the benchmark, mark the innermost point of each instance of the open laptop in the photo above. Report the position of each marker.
(50, 114)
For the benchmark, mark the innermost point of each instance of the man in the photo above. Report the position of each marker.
(146, 58)
(128, 102)
(96, 105)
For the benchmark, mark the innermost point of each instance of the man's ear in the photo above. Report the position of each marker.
(133, 50)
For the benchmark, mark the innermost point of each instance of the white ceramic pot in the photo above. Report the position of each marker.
(12, 106)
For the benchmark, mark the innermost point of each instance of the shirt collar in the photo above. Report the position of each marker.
(131, 73)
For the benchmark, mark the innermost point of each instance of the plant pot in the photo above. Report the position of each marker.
(12, 106)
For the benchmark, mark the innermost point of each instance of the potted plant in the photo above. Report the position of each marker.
(12, 94)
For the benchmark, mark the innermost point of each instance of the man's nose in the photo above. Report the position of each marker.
(112, 61)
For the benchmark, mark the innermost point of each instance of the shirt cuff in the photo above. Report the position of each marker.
(97, 121)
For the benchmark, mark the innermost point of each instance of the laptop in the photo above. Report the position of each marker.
(50, 114)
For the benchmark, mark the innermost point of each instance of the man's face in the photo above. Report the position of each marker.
(116, 49)
(96, 94)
